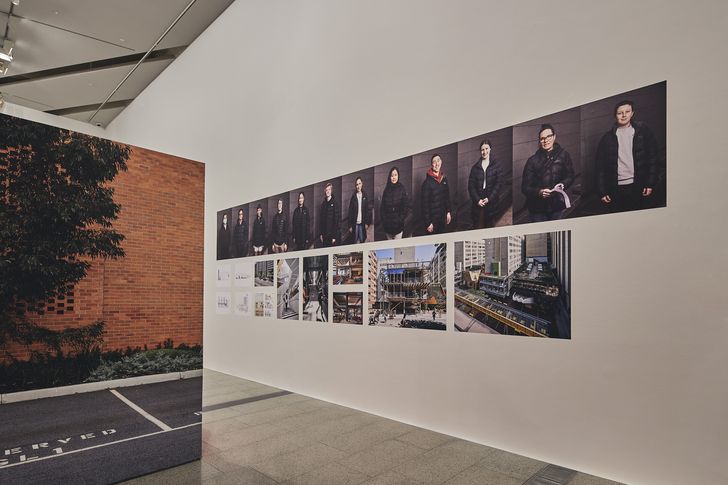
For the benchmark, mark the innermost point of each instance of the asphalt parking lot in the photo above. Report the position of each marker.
(103, 436)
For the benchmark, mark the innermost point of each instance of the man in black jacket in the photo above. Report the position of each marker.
(484, 188)
(360, 213)
(279, 230)
(546, 176)
(240, 235)
(626, 162)
(329, 217)
(258, 232)
(301, 225)
(436, 214)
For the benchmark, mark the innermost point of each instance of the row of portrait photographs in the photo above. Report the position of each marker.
(514, 285)
(602, 157)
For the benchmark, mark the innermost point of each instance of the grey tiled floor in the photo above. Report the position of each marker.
(297, 440)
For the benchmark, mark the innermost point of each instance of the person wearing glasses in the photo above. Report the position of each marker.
(546, 177)
(626, 162)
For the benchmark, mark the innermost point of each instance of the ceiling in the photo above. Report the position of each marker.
(69, 56)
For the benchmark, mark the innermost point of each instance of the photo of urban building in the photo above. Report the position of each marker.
(514, 285)
(348, 308)
(264, 273)
(407, 287)
(288, 292)
(349, 268)
(316, 288)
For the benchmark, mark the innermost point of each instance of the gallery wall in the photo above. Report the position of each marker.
(638, 393)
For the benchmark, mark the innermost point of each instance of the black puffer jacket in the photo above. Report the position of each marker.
(223, 242)
(543, 171)
(279, 229)
(301, 227)
(259, 231)
(492, 188)
(644, 153)
(329, 216)
(366, 210)
(240, 239)
(435, 201)
(394, 208)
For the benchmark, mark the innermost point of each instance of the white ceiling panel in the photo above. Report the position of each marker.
(39, 47)
(102, 118)
(197, 18)
(81, 89)
(70, 54)
(10, 98)
(139, 22)
(141, 78)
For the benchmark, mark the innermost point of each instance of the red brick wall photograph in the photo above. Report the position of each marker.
(154, 293)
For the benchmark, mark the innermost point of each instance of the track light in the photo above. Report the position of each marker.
(15, 2)
(7, 56)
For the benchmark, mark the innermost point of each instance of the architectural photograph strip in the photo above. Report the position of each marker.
(603, 157)
(514, 285)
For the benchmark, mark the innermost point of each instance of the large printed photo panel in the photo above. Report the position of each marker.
(407, 287)
(514, 285)
(101, 280)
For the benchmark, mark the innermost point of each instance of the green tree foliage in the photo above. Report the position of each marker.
(56, 209)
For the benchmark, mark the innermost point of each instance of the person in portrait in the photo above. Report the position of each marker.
(395, 206)
(436, 214)
(258, 232)
(546, 176)
(223, 239)
(301, 225)
(626, 162)
(484, 185)
(240, 235)
(279, 230)
(360, 214)
(329, 217)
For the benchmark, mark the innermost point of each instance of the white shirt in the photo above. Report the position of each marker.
(625, 160)
(358, 213)
(485, 164)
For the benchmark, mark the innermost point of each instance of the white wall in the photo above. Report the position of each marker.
(272, 94)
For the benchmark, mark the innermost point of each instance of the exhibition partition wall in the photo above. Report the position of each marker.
(100, 307)
(328, 90)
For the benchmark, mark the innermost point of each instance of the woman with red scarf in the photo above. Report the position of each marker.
(436, 214)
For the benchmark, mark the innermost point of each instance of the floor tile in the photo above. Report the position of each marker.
(477, 475)
(332, 473)
(392, 478)
(381, 457)
(425, 439)
(437, 465)
(511, 464)
(289, 465)
(252, 453)
(586, 479)
(240, 476)
(364, 437)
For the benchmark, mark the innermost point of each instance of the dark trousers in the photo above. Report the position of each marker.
(545, 216)
(626, 198)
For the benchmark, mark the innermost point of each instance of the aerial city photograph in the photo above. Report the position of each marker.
(514, 285)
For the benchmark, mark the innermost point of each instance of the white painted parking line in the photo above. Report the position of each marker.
(136, 408)
(71, 452)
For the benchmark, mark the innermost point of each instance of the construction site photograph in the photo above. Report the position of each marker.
(514, 285)
(407, 287)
